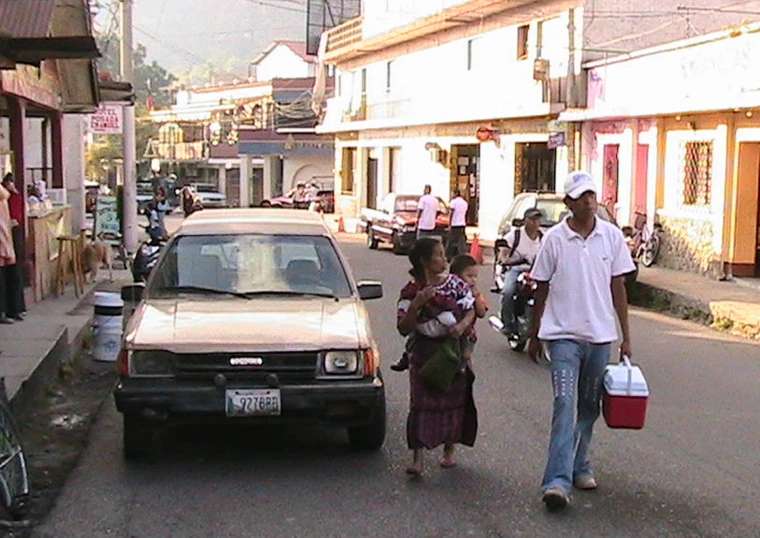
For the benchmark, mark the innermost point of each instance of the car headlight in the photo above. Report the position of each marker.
(152, 363)
(341, 363)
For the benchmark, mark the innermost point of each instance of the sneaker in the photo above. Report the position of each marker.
(400, 365)
(555, 499)
(585, 482)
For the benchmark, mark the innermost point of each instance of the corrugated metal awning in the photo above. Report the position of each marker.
(25, 18)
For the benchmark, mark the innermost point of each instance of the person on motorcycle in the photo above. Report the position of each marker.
(522, 247)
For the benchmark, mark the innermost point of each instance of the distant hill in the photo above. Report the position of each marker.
(185, 36)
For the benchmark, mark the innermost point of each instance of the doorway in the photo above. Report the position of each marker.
(465, 177)
(745, 258)
(535, 168)
(371, 181)
(611, 174)
(642, 181)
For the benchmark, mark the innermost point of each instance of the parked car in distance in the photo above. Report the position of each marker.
(250, 316)
(395, 222)
(554, 210)
(210, 196)
(324, 201)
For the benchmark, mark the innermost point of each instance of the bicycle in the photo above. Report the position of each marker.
(645, 243)
(14, 480)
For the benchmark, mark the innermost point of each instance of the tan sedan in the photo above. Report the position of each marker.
(251, 315)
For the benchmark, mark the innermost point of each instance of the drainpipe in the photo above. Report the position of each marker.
(571, 92)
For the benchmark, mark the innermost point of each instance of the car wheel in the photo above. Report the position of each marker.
(371, 436)
(139, 438)
(371, 239)
(397, 248)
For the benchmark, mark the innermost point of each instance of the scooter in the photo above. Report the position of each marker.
(146, 257)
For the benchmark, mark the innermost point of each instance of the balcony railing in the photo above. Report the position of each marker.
(345, 35)
(182, 151)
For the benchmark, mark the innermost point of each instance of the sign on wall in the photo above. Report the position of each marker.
(107, 120)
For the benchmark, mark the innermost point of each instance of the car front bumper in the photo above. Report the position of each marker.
(345, 403)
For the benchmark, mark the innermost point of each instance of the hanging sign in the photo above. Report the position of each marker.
(107, 120)
(556, 140)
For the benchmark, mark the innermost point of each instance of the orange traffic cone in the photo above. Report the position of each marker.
(476, 251)
(341, 225)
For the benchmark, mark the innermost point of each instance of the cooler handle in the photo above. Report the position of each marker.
(627, 362)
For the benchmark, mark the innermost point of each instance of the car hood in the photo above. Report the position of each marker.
(201, 325)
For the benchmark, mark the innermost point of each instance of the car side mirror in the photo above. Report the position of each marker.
(370, 290)
(132, 293)
(517, 222)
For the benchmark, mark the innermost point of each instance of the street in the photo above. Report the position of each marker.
(691, 472)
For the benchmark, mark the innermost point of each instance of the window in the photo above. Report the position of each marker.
(388, 76)
(522, 41)
(697, 173)
(469, 55)
(474, 53)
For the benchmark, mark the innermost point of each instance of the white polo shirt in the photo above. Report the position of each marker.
(428, 207)
(579, 272)
(458, 207)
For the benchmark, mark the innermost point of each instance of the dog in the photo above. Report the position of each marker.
(96, 254)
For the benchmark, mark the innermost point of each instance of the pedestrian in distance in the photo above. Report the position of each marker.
(456, 240)
(436, 418)
(7, 258)
(14, 275)
(580, 270)
(428, 208)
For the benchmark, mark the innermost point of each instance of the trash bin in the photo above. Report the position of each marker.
(107, 326)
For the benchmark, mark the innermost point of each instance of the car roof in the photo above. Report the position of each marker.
(254, 220)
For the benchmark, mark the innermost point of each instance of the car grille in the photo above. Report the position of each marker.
(289, 367)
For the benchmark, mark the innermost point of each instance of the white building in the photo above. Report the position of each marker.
(673, 132)
(284, 59)
(466, 94)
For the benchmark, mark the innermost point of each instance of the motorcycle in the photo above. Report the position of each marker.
(146, 257)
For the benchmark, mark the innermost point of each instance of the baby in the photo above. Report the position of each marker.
(466, 268)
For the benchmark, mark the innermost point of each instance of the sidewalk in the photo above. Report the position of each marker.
(733, 306)
(34, 349)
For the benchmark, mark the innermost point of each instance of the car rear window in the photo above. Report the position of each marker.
(407, 204)
(252, 263)
(553, 209)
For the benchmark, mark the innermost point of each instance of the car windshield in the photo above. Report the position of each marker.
(553, 210)
(248, 265)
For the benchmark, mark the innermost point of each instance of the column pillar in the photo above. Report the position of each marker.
(269, 176)
(17, 117)
(56, 142)
(73, 158)
(223, 180)
(245, 180)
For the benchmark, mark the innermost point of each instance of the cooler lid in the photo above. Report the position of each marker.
(616, 380)
(108, 299)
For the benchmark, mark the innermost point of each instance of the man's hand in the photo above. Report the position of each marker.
(534, 349)
(625, 349)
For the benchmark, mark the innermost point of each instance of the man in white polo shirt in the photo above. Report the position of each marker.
(456, 242)
(580, 272)
(427, 213)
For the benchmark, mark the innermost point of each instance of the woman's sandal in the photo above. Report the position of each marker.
(412, 470)
(448, 463)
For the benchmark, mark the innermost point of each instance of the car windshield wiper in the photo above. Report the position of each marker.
(290, 293)
(201, 289)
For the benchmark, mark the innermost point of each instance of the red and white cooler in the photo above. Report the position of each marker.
(624, 402)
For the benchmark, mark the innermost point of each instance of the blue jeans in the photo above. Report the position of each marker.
(577, 374)
(508, 298)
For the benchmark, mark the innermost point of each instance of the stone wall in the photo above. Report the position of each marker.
(687, 246)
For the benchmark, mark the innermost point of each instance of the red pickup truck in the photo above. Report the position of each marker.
(395, 222)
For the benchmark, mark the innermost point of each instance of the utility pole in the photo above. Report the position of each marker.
(129, 199)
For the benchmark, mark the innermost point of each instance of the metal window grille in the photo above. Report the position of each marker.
(697, 173)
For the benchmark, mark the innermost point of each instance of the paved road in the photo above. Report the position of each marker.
(692, 472)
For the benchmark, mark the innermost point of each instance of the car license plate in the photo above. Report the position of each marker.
(252, 402)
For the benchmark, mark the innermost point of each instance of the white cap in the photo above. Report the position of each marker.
(579, 183)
